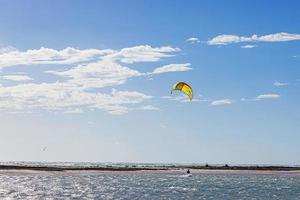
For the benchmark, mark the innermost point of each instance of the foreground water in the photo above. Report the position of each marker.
(149, 185)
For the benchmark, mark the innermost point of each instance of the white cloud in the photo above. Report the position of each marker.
(279, 37)
(19, 112)
(150, 79)
(109, 71)
(221, 102)
(262, 97)
(6, 49)
(62, 96)
(99, 74)
(267, 96)
(17, 78)
(69, 55)
(50, 56)
(149, 107)
(276, 37)
(142, 53)
(87, 70)
(74, 111)
(193, 40)
(182, 98)
(248, 46)
(224, 39)
(278, 84)
(172, 68)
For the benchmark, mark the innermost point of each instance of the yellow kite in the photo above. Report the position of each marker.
(185, 88)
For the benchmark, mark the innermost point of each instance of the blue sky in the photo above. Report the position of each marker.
(91, 81)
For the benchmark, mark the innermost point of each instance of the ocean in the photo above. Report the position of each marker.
(173, 184)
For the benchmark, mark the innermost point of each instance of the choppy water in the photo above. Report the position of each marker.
(148, 185)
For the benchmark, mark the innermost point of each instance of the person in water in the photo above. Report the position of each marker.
(188, 171)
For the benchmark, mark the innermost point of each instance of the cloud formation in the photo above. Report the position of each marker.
(193, 40)
(148, 107)
(276, 37)
(142, 53)
(98, 74)
(69, 55)
(221, 102)
(180, 98)
(172, 68)
(267, 96)
(248, 46)
(17, 78)
(75, 88)
(262, 97)
(66, 97)
(44, 56)
(279, 84)
(6, 49)
(74, 111)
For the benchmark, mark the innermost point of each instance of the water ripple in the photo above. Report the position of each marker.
(149, 186)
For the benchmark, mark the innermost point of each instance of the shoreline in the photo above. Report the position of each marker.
(145, 168)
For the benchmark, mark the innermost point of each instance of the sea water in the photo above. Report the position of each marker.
(16, 184)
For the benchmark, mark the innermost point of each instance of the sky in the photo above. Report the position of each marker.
(91, 80)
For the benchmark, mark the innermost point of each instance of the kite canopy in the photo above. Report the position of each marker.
(185, 88)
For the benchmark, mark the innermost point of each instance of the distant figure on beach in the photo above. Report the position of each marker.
(188, 171)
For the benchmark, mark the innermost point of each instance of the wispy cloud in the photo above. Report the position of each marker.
(193, 40)
(149, 107)
(172, 68)
(98, 74)
(17, 78)
(142, 53)
(248, 46)
(267, 96)
(65, 97)
(262, 97)
(276, 37)
(74, 111)
(279, 84)
(6, 49)
(69, 55)
(180, 98)
(221, 102)
(50, 56)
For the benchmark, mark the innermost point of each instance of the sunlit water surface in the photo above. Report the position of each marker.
(148, 185)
